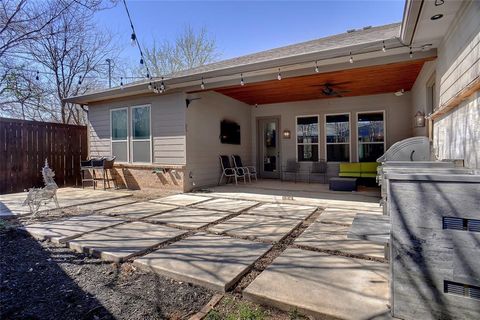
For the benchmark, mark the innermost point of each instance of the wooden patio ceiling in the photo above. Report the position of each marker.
(353, 82)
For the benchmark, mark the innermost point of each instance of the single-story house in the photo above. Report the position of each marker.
(342, 98)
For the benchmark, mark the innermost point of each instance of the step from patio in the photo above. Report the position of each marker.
(334, 237)
(231, 205)
(191, 218)
(320, 285)
(212, 261)
(139, 210)
(121, 242)
(258, 227)
(182, 199)
(281, 210)
(59, 231)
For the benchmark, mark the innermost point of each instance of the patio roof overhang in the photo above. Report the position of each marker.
(368, 80)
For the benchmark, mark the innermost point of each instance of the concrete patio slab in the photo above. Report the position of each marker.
(12, 204)
(212, 261)
(322, 285)
(257, 227)
(322, 236)
(121, 242)
(182, 199)
(102, 205)
(191, 218)
(138, 210)
(281, 210)
(60, 231)
(342, 216)
(226, 205)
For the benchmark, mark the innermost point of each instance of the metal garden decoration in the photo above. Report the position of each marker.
(38, 196)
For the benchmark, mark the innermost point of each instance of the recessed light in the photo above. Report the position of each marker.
(437, 16)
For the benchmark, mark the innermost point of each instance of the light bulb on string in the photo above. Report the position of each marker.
(37, 77)
(202, 85)
(351, 58)
(279, 75)
(316, 67)
(121, 83)
(242, 83)
(133, 39)
(79, 80)
(162, 86)
(384, 49)
(411, 53)
(141, 61)
(150, 86)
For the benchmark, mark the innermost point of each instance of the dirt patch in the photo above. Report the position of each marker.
(41, 280)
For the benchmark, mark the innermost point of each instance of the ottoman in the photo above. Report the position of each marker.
(343, 184)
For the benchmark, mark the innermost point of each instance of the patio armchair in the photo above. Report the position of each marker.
(292, 167)
(318, 168)
(103, 166)
(230, 172)
(249, 171)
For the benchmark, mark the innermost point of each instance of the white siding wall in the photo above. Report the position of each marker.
(168, 126)
(456, 135)
(203, 132)
(420, 95)
(397, 116)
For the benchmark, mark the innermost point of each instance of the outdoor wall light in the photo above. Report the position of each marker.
(419, 119)
(286, 134)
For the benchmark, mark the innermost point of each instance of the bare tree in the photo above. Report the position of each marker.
(190, 49)
(70, 52)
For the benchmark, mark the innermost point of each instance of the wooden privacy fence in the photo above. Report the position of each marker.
(24, 146)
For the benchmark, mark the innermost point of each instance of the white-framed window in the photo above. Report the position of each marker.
(119, 134)
(371, 135)
(307, 138)
(131, 139)
(337, 137)
(141, 139)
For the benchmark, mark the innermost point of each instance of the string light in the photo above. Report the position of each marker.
(316, 67)
(133, 39)
(162, 86)
(141, 61)
(38, 76)
(202, 85)
(121, 83)
(411, 53)
(79, 80)
(384, 49)
(242, 83)
(150, 87)
(279, 75)
(351, 58)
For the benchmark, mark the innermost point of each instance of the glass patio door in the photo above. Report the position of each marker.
(269, 149)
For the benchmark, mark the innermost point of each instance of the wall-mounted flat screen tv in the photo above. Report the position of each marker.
(229, 132)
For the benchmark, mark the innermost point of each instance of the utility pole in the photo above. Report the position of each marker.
(109, 61)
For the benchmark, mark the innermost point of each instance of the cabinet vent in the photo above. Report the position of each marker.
(461, 289)
(454, 223)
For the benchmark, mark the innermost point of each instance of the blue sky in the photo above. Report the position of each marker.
(242, 27)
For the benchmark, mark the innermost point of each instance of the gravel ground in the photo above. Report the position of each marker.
(41, 280)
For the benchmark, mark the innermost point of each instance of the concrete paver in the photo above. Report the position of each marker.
(281, 210)
(320, 284)
(226, 205)
(121, 242)
(213, 261)
(12, 204)
(329, 236)
(138, 210)
(102, 205)
(181, 199)
(342, 216)
(257, 227)
(191, 218)
(60, 231)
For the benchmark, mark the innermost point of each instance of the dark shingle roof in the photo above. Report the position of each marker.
(328, 43)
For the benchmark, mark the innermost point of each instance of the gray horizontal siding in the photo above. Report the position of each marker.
(168, 127)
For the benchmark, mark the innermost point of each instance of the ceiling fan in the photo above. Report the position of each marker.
(329, 91)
